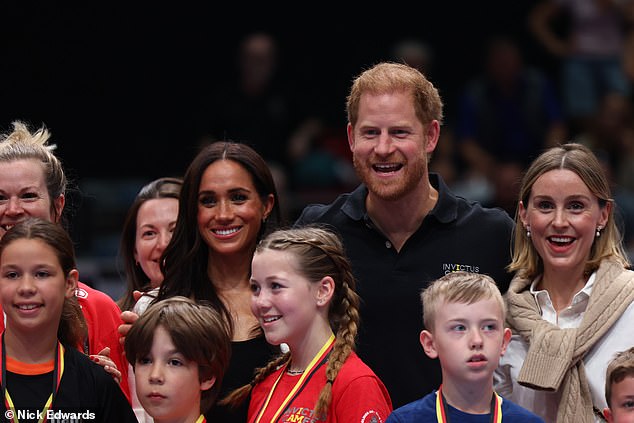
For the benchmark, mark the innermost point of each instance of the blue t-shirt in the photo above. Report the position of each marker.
(424, 410)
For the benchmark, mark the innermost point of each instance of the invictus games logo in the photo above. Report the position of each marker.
(300, 415)
(449, 267)
(308, 415)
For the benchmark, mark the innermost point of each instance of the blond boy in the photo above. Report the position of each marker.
(463, 314)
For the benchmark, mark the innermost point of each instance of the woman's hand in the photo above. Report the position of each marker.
(104, 360)
(128, 318)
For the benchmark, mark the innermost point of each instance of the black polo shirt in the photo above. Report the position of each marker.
(455, 235)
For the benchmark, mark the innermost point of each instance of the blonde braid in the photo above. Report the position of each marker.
(344, 316)
(320, 252)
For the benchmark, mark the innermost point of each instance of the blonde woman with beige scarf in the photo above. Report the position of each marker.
(570, 302)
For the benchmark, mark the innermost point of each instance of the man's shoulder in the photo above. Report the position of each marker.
(476, 211)
(328, 213)
(452, 207)
(315, 212)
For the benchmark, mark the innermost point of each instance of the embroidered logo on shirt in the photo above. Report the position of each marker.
(81, 293)
(456, 267)
(371, 416)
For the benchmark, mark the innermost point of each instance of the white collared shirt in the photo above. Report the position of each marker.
(618, 338)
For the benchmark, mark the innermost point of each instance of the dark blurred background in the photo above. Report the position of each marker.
(119, 85)
(131, 91)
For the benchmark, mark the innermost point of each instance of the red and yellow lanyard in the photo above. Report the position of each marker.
(317, 361)
(443, 417)
(58, 371)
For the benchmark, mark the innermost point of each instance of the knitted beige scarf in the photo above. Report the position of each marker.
(555, 355)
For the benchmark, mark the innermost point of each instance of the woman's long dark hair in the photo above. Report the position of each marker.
(186, 257)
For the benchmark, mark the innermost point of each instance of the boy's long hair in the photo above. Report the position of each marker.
(197, 331)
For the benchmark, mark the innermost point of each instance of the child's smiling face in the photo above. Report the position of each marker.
(33, 286)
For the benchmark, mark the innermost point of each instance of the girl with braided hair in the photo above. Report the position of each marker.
(303, 295)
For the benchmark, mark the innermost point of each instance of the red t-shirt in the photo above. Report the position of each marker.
(358, 396)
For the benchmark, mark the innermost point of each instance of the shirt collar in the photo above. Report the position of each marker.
(445, 210)
(542, 298)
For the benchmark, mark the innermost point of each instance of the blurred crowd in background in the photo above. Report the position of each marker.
(515, 79)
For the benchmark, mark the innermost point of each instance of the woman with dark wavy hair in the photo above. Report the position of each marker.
(228, 202)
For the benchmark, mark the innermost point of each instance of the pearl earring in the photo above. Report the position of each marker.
(598, 231)
(528, 232)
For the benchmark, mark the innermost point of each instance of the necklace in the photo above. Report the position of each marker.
(318, 360)
(294, 372)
